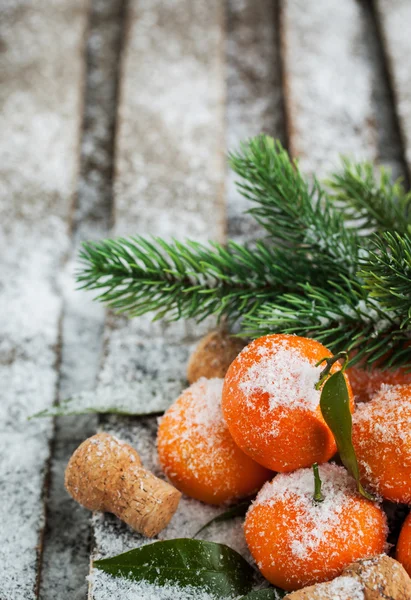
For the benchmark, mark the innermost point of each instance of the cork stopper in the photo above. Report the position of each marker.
(106, 474)
(377, 578)
(213, 355)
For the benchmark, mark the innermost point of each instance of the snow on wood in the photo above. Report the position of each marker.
(394, 18)
(328, 82)
(169, 182)
(67, 538)
(254, 93)
(41, 99)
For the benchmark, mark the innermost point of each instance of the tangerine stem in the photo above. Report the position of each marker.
(330, 362)
(318, 496)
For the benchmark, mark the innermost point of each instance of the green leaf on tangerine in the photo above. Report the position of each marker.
(335, 408)
(184, 562)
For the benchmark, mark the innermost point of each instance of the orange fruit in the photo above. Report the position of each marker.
(297, 542)
(382, 441)
(403, 552)
(365, 383)
(271, 406)
(197, 452)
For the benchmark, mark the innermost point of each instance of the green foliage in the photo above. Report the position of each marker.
(295, 213)
(386, 274)
(335, 408)
(185, 562)
(188, 280)
(368, 195)
(315, 275)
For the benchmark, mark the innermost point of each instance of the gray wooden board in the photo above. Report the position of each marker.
(169, 182)
(41, 101)
(328, 82)
(395, 23)
(68, 533)
(254, 100)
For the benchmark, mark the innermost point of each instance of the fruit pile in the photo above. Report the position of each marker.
(260, 429)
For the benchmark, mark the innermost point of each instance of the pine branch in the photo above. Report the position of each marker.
(307, 281)
(370, 199)
(295, 213)
(387, 274)
(342, 318)
(188, 280)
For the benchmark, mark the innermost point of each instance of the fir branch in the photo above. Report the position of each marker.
(386, 274)
(294, 212)
(370, 199)
(188, 280)
(343, 318)
(305, 282)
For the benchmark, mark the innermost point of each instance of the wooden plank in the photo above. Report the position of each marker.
(254, 93)
(328, 78)
(395, 19)
(169, 182)
(41, 100)
(66, 554)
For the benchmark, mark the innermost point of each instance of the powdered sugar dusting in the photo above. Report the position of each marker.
(286, 375)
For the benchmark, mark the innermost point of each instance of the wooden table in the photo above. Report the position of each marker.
(116, 118)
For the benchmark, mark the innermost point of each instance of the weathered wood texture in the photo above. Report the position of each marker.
(395, 22)
(169, 182)
(41, 99)
(254, 100)
(68, 534)
(328, 82)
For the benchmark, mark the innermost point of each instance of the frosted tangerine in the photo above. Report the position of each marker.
(271, 405)
(197, 452)
(382, 441)
(403, 552)
(297, 542)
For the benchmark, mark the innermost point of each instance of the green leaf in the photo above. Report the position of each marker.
(335, 408)
(148, 396)
(184, 562)
(266, 594)
(239, 510)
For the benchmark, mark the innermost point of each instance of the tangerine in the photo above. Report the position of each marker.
(382, 441)
(403, 552)
(297, 541)
(271, 406)
(197, 452)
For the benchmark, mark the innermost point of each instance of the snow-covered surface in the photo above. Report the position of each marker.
(169, 184)
(328, 82)
(68, 534)
(41, 99)
(253, 96)
(176, 120)
(395, 17)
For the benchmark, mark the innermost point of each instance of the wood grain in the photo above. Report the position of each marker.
(395, 22)
(41, 93)
(328, 81)
(169, 182)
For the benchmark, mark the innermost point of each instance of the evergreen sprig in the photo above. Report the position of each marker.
(386, 274)
(188, 280)
(370, 198)
(315, 275)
